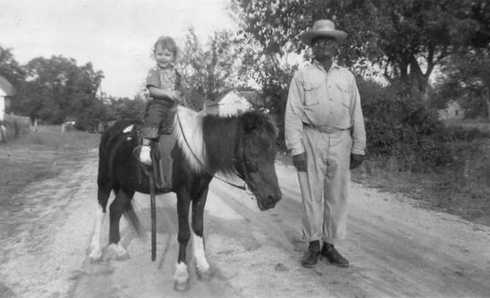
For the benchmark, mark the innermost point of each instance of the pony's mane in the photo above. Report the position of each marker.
(220, 135)
(209, 141)
(187, 129)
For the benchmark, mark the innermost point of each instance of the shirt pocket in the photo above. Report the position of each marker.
(312, 91)
(340, 94)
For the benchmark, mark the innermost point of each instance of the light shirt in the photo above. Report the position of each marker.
(323, 99)
(163, 78)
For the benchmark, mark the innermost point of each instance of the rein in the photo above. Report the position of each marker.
(200, 161)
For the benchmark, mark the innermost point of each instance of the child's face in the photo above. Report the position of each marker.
(163, 56)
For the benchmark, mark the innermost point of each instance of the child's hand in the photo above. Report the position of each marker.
(177, 95)
(165, 93)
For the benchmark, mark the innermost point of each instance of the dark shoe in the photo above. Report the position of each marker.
(311, 256)
(333, 256)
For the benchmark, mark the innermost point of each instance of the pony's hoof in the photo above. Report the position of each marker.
(95, 255)
(117, 252)
(181, 286)
(204, 275)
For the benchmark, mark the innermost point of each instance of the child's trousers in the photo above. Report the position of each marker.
(159, 118)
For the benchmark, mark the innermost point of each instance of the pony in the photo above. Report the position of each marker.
(206, 144)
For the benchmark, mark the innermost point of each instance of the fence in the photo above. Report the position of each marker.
(13, 126)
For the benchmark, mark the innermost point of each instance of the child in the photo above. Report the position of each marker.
(163, 83)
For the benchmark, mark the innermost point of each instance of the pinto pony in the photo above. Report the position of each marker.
(206, 144)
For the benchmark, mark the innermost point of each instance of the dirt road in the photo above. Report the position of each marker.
(396, 249)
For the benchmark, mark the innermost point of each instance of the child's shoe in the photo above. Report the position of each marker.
(145, 157)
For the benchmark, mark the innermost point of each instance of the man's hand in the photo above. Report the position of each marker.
(299, 161)
(356, 160)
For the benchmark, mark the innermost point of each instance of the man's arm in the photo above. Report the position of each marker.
(293, 124)
(358, 129)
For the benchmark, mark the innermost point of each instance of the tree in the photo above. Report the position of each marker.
(406, 39)
(57, 88)
(10, 68)
(125, 108)
(466, 78)
(210, 70)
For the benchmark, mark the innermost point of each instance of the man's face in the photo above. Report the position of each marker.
(324, 48)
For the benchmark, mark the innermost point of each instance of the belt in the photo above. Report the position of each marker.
(325, 128)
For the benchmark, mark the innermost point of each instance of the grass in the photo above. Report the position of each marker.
(41, 155)
(480, 124)
(462, 189)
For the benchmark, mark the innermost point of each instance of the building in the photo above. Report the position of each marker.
(236, 102)
(232, 103)
(453, 110)
(6, 90)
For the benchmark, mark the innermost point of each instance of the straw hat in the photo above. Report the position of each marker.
(323, 28)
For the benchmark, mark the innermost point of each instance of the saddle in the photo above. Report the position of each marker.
(163, 151)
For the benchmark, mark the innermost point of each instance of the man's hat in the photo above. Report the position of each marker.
(323, 28)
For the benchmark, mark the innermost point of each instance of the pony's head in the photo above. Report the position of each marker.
(244, 144)
(254, 158)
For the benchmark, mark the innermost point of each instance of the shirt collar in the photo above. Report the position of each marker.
(169, 66)
(320, 66)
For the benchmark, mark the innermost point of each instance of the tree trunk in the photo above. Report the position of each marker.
(419, 80)
(487, 99)
(488, 108)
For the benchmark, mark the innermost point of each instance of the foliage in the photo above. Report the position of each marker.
(405, 39)
(209, 70)
(395, 126)
(14, 126)
(407, 130)
(10, 68)
(57, 89)
(466, 78)
(126, 108)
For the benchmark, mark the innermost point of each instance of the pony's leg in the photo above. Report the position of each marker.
(197, 235)
(120, 205)
(181, 276)
(103, 194)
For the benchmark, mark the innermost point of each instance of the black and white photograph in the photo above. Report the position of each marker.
(244, 148)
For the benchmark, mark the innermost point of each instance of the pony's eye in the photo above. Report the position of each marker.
(252, 165)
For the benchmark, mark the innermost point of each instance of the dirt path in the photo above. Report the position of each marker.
(397, 250)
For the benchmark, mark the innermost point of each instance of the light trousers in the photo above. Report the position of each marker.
(325, 184)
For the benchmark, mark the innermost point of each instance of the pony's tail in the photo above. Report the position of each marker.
(134, 221)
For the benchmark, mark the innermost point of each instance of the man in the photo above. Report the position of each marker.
(324, 130)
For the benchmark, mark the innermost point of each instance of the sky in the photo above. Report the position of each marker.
(116, 36)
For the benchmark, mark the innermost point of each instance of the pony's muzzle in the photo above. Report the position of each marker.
(268, 202)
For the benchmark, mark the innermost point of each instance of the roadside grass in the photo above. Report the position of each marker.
(40, 155)
(481, 125)
(462, 188)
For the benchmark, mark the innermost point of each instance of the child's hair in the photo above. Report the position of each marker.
(166, 42)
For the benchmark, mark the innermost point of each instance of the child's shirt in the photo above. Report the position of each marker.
(163, 78)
